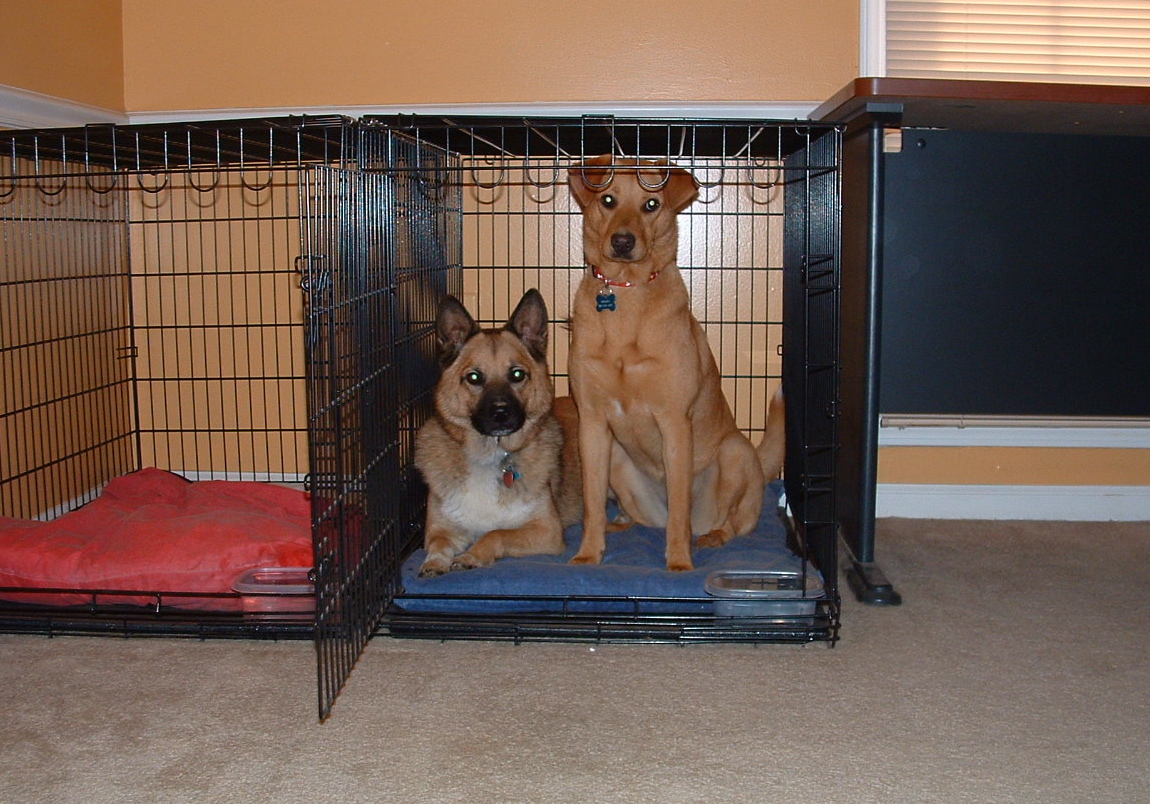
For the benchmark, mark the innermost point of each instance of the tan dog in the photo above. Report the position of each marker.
(654, 427)
(499, 456)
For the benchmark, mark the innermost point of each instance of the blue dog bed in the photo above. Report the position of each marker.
(632, 576)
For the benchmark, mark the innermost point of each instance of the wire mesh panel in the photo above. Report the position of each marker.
(150, 271)
(381, 249)
(521, 229)
(66, 342)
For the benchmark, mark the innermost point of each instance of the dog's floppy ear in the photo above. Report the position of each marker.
(453, 327)
(681, 189)
(588, 179)
(529, 322)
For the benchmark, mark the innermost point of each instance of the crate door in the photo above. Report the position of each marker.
(811, 308)
(364, 381)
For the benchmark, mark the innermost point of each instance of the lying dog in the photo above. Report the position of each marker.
(654, 428)
(499, 456)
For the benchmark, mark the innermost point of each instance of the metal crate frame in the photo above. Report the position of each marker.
(382, 223)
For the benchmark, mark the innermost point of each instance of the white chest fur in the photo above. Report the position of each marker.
(481, 503)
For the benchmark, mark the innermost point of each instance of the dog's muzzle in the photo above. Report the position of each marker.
(499, 413)
(622, 244)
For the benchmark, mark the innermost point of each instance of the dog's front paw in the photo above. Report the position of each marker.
(434, 566)
(715, 538)
(466, 561)
(621, 522)
(586, 558)
(679, 558)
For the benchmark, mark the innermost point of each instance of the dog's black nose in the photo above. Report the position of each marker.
(499, 412)
(623, 243)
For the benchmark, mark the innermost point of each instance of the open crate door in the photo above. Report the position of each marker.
(373, 246)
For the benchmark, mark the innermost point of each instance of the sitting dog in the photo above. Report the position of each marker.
(499, 455)
(654, 428)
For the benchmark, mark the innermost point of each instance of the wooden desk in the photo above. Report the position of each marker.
(989, 200)
(995, 106)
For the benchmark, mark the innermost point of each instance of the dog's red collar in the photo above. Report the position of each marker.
(615, 283)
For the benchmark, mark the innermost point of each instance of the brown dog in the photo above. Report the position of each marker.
(654, 427)
(499, 456)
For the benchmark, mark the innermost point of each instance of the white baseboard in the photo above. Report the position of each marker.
(1070, 503)
(1013, 431)
(275, 478)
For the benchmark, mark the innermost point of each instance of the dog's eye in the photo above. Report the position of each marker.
(517, 375)
(651, 205)
(609, 201)
(473, 377)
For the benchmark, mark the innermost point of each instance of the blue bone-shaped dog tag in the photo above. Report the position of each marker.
(604, 301)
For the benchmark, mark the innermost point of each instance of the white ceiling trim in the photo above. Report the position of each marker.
(796, 110)
(23, 109)
(20, 108)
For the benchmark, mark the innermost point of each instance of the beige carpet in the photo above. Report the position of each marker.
(1017, 670)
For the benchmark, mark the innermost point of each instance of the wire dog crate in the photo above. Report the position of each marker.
(152, 315)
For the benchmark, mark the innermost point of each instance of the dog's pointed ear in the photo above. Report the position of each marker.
(681, 190)
(454, 326)
(529, 323)
(588, 179)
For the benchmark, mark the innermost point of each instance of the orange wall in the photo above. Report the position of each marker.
(70, 49)
(222, 54)
(161, 55)
(149, 56)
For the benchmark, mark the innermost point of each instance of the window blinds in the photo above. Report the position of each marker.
(1065, 41)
